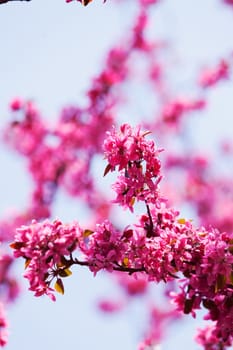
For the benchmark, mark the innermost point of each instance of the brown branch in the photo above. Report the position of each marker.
(129, 270)
(5, 1)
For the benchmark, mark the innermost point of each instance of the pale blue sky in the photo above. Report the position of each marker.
(48, 52)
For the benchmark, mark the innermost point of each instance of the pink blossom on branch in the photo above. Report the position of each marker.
(138, 163)
(3, 327)
(161, 245)
(203, 258)
(159, 320)
(211, 76)
(45, 247)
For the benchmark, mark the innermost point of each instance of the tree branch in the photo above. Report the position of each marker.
(5, 1)
(130, 270)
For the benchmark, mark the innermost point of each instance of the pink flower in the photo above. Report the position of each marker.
(138, 163)
(209, 340)
(104, 248)
(174, 110)
(211, 76)
(16, 104)
(27, 133)
(8, 284)
(45, 246)
(109, 306)
(3, 327)
(134, 285)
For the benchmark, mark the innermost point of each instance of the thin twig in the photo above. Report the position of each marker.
(130, 270)
(5, 1)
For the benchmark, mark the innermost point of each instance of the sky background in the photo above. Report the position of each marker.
(49, 50)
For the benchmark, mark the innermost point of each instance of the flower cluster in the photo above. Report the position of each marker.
(208, 339)
(138, 163)
(174, 110)
(160, 246)
(27, 130)
(203, 258)
(104, 248)
(3, 327)
(159, 320)
(45, 247)
(211, 76)
(11, 288)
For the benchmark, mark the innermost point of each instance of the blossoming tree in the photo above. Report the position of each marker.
(136, 231)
